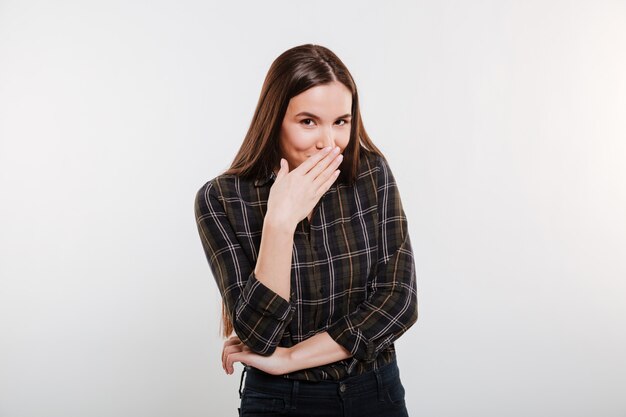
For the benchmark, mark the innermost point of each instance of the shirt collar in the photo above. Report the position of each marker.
(259, 182)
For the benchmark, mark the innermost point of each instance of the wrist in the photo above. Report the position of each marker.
(290, 359)
(297, 355)
(279, 223)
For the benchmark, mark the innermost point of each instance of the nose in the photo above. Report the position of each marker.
(329, 138)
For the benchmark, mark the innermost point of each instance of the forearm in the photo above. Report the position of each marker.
(273, 265)
(317, 350)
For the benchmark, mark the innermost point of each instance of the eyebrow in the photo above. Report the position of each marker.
(306, 113)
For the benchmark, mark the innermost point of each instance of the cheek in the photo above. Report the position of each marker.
(294, 138)
(302, 142)
(343, 139)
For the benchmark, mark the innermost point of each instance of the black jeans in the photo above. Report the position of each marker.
(375, 393)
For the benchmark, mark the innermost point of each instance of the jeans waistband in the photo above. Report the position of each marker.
(367, 382)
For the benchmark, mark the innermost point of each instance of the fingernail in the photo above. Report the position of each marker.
(327, 149)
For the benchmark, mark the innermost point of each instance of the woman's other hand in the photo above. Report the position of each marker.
(235, 351)
(294, 194)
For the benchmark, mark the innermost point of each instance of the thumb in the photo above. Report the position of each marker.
(284, 168)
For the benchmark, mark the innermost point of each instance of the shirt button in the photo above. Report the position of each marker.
(342, 387)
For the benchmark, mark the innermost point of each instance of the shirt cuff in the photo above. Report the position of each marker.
(351, 338)
(264, 300)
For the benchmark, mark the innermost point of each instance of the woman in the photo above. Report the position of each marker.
(308, 242)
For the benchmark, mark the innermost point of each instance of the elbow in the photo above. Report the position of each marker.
(258, 343)
(260, 317)
(409, 318)
(413, 306)
(413, 316)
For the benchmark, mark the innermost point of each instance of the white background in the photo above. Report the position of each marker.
(503, 121)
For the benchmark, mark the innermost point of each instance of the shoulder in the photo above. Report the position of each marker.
(221, 186)
(375, 169)
(214, 191)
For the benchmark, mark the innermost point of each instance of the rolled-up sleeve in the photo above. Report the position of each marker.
(259, 315)
(391, 307)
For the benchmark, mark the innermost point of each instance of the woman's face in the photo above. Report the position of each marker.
(316, 118)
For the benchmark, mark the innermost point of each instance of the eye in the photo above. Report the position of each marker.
(304, 121)
(345, 122)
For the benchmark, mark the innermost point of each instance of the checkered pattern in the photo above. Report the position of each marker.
(352, 272)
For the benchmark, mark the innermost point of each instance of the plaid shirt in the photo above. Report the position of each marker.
(352, 269)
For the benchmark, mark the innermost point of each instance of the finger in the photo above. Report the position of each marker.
(310, 162)
(230, 362)
(329, 172)
(229, 342)
(284, 169)
(232, 340)
(327, 184)
(229, 350)
(322, 165)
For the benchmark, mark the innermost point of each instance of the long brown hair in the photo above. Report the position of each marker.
(293, 72)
